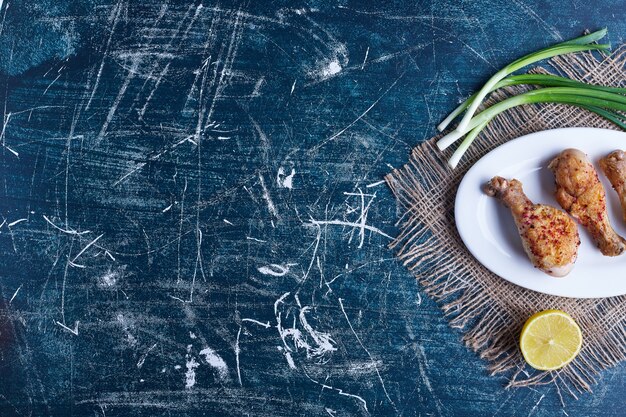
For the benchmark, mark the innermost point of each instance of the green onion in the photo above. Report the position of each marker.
(545, 80)
(598, 101)
(460, 151)
(579, 44)
(615, 118)
(586, 39)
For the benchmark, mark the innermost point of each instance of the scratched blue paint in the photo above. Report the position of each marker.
(157, 140)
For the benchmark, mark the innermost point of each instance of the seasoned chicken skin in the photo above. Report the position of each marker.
(580, 193)
(614, 167)
(549, 236)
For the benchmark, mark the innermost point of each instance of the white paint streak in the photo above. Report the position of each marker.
(15, 293)
(374, 184)
(50, 85)
(237, 350)
(110, 278)
(266, 196)
(144, 356)
(339, 391)
(12, 151)
(349, 224)
(190, 375)
(87, 246)
(256, 240)
(118, 99)
(283, 180)
(333, 68)
(256, 92)
(4, 126)
(532, 410)
(322, 343)
(137, 167)
(266, 325)
(290, 361)
(67, 230)
(365, 59)
(274, 270)
(74, 331)
(216, 362)
(16, 222)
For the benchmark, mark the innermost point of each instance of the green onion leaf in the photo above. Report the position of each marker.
(575, 45)
(616, 118)
(546, 80)
(460, 151)
(586, 39)
(600, 102)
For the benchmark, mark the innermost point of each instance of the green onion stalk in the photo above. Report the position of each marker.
(607, 104)
(544, 80)
(583, 43)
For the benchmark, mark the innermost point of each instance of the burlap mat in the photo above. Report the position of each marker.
(489, 310)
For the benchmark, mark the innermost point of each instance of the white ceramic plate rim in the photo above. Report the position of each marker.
(487, 235)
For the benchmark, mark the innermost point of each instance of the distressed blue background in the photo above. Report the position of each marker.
(192, 216)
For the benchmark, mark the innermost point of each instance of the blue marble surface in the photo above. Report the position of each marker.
(193, 219)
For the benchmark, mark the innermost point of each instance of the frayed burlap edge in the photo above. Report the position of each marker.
(489, 310)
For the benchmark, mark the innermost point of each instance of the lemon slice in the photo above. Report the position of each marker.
(550, 340)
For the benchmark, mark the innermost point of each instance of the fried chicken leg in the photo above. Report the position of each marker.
(614, 167)
(580, 193)
(549, 236)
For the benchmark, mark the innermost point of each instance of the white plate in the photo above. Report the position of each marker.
(487, 227)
